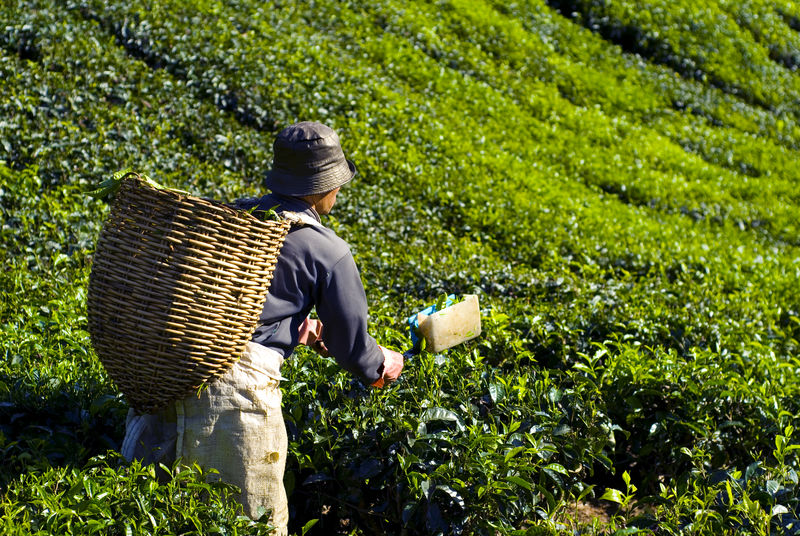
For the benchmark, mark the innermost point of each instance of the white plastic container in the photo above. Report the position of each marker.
(452, 325)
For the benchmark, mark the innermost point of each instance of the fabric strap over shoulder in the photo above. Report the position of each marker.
(298, 218)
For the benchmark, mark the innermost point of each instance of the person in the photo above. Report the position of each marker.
(235, 423)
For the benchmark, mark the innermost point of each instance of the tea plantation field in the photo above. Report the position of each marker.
(618, 181)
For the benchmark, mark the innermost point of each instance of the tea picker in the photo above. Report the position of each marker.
(194, 305)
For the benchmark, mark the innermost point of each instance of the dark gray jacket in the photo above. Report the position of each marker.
(316, 269)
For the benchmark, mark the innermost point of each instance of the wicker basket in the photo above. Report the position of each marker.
(176, 289)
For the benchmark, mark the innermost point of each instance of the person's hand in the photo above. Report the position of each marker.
(392, 367)
(310, 334)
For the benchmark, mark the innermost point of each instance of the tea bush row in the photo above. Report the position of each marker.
(700, 42)
(656, 165)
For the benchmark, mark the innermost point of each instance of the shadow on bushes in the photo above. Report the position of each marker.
(66, 426)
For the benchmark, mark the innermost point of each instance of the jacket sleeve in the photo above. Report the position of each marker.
(342, 306)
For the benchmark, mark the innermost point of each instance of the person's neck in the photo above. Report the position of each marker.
(311, 201)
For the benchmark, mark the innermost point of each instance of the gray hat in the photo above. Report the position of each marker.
(308, 160)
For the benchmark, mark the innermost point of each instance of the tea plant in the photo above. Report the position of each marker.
(110, 497)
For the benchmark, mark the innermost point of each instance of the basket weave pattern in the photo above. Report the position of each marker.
(176, 289)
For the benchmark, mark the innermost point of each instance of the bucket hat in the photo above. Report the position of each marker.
(308, 159)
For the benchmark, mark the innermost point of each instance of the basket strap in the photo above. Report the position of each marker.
(298, 218)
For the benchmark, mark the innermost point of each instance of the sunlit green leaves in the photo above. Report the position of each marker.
(107, 496)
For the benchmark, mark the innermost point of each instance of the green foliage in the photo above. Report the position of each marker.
(111, 497)
(760, 500)
(616, 180)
